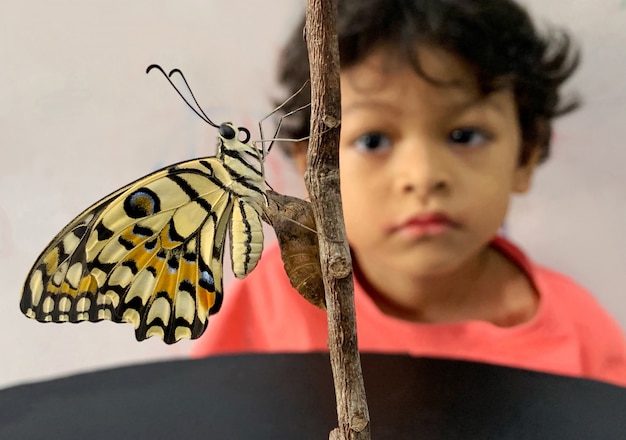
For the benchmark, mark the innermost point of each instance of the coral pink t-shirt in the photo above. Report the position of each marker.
(570, 334)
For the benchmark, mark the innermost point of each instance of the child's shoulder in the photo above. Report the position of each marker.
(570, 296)
(601, 340)
(560, 293)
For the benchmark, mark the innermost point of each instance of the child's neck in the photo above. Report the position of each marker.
(490, 288)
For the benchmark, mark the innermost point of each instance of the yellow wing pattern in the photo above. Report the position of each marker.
(151, 253)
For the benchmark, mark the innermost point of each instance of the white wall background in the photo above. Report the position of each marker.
(574, 218)
(80, 118)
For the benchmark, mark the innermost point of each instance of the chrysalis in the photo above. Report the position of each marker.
(294, 224)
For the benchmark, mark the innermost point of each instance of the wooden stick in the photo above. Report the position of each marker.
(322, 181)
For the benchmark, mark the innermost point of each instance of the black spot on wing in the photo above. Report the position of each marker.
(142, 231)
(206, 280)
(126, 244)
(142, 203)
(103, 232)
(144, 325)
(104, 267)
(135, 304)
(150, 245)
(173, 235)
(131, 265)
(187, 286)
(173, 263)
(80, 231)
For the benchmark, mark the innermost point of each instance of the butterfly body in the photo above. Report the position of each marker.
(151, 253)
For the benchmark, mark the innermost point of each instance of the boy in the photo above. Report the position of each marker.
(446, 111)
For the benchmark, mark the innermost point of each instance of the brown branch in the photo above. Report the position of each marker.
(322, 181)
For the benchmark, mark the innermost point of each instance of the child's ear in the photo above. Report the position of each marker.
(298, 153)
(524, 173)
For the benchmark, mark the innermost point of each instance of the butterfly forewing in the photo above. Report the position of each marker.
(152, 252)
(179, 301)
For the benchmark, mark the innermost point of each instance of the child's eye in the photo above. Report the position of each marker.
(372, 142)
(468, 137)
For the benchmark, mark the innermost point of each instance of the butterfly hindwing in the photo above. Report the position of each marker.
(59, 286)
(246, 238)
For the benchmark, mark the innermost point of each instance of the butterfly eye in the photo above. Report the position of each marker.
(227, 132)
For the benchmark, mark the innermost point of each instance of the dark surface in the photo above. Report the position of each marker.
(292, 397)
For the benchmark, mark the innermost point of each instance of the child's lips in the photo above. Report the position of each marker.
(424, 225)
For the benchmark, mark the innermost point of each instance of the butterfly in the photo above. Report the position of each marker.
(151, 253)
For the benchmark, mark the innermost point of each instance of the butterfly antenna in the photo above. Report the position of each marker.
(200, 113)
(173, 71)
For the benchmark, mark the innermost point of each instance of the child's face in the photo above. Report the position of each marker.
(426, 171)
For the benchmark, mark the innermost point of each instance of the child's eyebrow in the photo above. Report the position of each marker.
(456, 106)
(489, 102)
(369, 104)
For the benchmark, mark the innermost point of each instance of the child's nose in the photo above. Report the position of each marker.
(421, 170)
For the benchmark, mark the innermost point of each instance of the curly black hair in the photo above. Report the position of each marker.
(496, 38)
